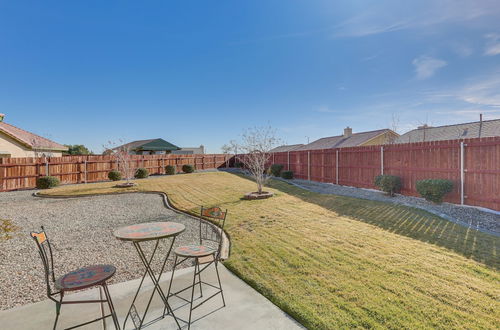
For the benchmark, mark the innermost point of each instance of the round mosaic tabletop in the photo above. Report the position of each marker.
(149, 231)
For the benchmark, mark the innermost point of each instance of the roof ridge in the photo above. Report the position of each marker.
(28, 132)
(472, 122)
(376, 130)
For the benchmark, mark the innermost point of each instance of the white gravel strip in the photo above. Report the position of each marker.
(81, 233)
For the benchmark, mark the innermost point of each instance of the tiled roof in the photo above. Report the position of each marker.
(488, 128)
(29, 139)
(286, 148)
(340, 141)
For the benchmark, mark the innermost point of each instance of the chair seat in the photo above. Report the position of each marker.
(85, 277)
(194, 251)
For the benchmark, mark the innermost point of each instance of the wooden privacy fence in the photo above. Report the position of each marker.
(21, 173)
(472, 164)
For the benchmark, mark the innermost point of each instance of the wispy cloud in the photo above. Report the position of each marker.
(485, 92)
(426, 66)
(492, 44)
(325, 109)
(425, 13)
(462, 48)
(482, 93)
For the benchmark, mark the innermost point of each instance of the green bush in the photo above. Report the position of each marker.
(388, 183)
(114, 175)
(276, 169)
(287, 175)
(434, 189)
(47, 182)
(188, 168)
(141, 173)
(238, 164)
(170, 169)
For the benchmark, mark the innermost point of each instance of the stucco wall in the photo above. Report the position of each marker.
(380, 140)
(18, 150)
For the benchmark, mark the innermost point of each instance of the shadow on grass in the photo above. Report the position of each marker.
(408, 221)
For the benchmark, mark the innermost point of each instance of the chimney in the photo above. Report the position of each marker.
(2, 116)
(423, 126)
(347, 132)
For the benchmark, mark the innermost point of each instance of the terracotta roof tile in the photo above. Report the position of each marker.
(30, 139)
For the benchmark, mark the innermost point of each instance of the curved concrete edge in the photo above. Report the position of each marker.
(226, 242)
(439, 214)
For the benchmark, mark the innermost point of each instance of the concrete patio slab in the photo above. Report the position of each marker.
(245, 307)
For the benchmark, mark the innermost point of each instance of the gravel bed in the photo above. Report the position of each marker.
(472, 217)
(81, 233)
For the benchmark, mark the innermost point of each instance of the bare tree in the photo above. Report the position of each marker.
(121, 152)
(256, 144)
(230, 149)
(394, 126)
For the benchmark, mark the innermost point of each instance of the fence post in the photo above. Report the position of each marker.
(288, 160)
(337, 166)
(85, 170)
(462, 173)
(309, 165)
(382, 160)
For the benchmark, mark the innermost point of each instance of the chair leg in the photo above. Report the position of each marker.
(111, 306)
(58, 309)
(192, 294)
(170, 284)
(199, 279)
(102, 308)
(220, 285)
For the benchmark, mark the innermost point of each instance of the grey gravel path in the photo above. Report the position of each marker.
(475, 218)
(81, 231)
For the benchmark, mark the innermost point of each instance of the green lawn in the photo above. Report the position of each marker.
(338, 262)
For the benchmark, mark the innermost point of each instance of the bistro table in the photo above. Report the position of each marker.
(137, 234)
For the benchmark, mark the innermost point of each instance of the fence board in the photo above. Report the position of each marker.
(21, 173)
(412, 162)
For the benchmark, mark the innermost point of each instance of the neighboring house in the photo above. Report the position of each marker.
(190, 151)
(350, 139)
(149, 147)
(286, 148)
(16, 142)
(486, 128)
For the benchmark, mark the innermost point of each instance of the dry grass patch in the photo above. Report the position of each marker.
(339, 262)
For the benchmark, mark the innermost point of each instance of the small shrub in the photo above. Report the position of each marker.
(170, 169)
(47, 182)
(114, 175)
(276, 169)
(141, 173)
(188, 168)
(287, 175)
(434, 189)
(388, 183)
(238, 164)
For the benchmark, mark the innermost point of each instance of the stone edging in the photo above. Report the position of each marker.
(226, 242)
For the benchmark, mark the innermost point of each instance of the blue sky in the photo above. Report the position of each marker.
(200, 72)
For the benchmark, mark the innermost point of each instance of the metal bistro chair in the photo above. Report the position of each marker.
(204, 255)
(79, 279)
